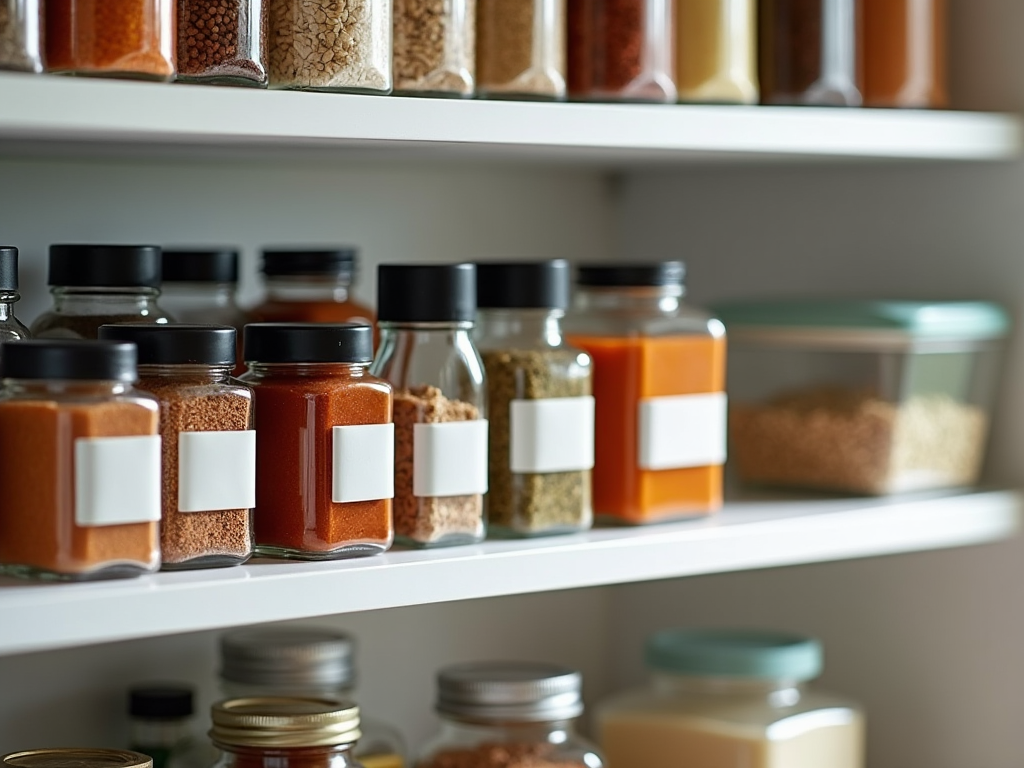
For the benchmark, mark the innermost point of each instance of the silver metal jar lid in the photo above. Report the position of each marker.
(288, 658)
(509, 692)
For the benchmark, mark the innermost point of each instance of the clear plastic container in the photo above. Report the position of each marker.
(223, 43)
(906, 45)
(311, 286)
(622, 49)
(716, 51)
(11, 328)
(521, 49)
(659, 385)
(331, 45)
(94, 285)
(541, 410)
(21, 40)
(426, 316)
(731, 698)
(435, 47)
(509, 715)
(861, 397)
(811, 52)
(304, 662)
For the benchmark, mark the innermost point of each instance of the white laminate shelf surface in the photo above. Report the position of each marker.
(745, 535)
(54, 111)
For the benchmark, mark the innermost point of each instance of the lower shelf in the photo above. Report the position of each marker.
(747, 534)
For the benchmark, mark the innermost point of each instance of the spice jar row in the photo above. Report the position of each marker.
(886, 53)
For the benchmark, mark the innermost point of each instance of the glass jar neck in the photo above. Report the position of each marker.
(776, 693)
(350, 370)
(102, 301)
(48, 387)
(206, 294)
(7, 301)
(538, 325)
(467, 731)
(664, 299)
(309, 288)
(213, 374)
(279, 757)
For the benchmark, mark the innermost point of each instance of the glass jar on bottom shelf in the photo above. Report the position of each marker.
(21, 35)
(71, 757)
(11, 328)
(521, 49)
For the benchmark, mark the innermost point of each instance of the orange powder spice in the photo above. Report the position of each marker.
(627, 370)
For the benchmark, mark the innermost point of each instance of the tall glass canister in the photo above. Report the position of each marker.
(435, 47)
(716, 51)
(521, 49)
(21, 40)
(906, 61)
(223, 43)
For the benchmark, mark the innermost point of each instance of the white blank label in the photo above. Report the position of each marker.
(551, 435)
(364, 463)
(450, 459)
(117, 480)
(216, 470)
(683, 431)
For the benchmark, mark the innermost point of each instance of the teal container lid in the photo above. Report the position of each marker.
(941, 319)
(735, 653)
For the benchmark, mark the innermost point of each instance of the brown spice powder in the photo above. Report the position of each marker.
(432, 54)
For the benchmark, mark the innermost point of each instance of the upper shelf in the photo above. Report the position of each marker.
(746, 535)
(66, 111)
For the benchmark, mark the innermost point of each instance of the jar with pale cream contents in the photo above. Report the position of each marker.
(733, 699)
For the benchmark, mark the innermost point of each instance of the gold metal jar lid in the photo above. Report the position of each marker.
(279, 721)
(76, 758)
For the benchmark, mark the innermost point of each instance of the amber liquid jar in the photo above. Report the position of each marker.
(905, 42)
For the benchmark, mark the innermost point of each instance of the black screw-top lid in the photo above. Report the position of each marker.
(285, 262)
(426, 293)
(87, 360)
(627, 275)
(8, 268)
(200, 265)
(176, 344)
(308, 343)
(160, 702)
(111, 266)
(523, 285)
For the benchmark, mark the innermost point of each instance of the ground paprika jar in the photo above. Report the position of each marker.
(79, 462)
(324, 441)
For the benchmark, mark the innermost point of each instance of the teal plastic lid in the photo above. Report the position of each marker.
(942, 319)
(735, 653)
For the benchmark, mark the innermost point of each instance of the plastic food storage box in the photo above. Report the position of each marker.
(863, 397)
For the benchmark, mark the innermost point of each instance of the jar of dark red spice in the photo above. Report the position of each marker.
(285, 733)
(209, 446)
(114, 38)
(622, 49)
(223, 42)
(324, 441)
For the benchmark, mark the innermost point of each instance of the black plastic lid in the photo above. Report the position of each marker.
(8, 268)
(289, 262)
(176, 344)
(626, 275)
(523, 285)
(111, 266)
(200, 265)
(308, 343)
(160, 702)
(426, 293)
(83, 360)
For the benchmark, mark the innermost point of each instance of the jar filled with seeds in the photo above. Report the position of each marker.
(426, 313)
(540, 407)
(223, 42)
(521, 49)
(331, 45)
(209, 446)
(21, 35)
(435, 47)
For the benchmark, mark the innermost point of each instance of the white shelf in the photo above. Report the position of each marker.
(124, 115)
(746, 535)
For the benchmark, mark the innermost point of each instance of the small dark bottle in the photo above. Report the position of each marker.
(11, 328)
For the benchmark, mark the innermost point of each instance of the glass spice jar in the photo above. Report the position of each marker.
(200, 286)
(521, 49)
(304, 662)
(810, 52)
(622, 50)
(21, 35)
(161, 725)
(94, 285)
(223, 42)
(331, 45)
(209, 446)
(435, 47)
(113, 38)
(11, 328)
(540, 408)
(311, 287)
(285, 733)
(509, 715)
(426, 352)
(906, 65)
(716, 51)
(76, 758)
(79, 462)
(325, 442)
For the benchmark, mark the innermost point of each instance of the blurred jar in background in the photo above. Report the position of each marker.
(905, 53)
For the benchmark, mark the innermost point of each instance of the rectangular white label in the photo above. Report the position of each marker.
(364, 463)
(216, 470)
(449, 459)
(117, 480)
(683, 431)
(551, 435)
